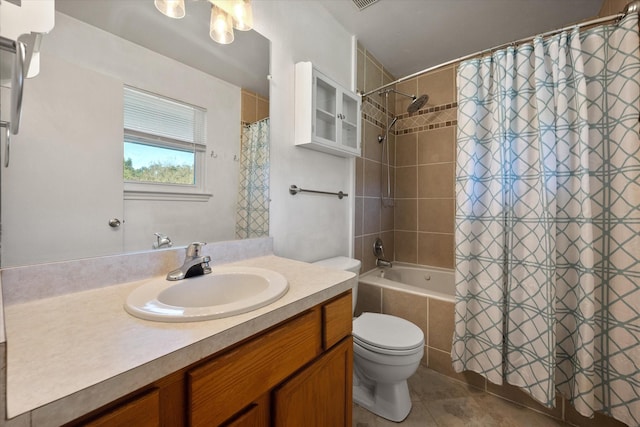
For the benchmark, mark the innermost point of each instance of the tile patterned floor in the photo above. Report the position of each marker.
(439, 401)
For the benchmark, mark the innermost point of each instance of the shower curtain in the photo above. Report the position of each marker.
(548, 219)
(252, 219)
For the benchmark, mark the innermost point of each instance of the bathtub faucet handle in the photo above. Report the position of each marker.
(378, 251)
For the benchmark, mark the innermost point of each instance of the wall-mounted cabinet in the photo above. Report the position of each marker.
(327, 115)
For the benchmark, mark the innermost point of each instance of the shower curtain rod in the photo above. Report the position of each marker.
(632, 7)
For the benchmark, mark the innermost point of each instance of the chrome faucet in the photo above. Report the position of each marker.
(162, 240)
(383, 263)
(378, 251)
(194, 263)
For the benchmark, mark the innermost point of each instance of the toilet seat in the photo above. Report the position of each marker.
(385, 334)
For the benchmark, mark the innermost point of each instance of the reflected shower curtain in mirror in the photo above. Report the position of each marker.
(548, 219)
(252, 219)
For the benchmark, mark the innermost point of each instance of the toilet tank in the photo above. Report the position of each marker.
(345, 264)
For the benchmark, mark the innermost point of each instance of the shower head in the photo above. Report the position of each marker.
(417, 103)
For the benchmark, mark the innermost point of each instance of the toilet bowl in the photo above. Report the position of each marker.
(386, 351)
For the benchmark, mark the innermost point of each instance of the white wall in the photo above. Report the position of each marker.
(49, 210)
(305, 227)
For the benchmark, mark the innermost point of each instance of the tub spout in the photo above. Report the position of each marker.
(383, 263)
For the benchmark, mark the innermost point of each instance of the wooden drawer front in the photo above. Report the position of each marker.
(320, 395)
(230, 382)
(337, 320)
(141, 412)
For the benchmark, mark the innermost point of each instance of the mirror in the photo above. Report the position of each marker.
(63, 192)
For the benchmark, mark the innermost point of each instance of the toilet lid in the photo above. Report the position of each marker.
(387, 332)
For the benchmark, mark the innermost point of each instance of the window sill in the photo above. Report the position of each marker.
(167, 196)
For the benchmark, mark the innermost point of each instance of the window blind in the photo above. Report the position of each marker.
(153, 115)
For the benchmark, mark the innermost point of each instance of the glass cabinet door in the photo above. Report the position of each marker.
(349, 120)
(325, 110)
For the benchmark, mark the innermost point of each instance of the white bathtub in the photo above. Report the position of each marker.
(434, 282)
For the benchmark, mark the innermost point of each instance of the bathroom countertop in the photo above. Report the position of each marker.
(70, 354)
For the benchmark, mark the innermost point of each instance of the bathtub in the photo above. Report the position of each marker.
(433, 282)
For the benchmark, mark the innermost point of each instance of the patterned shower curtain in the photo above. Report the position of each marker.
(252, 219)
(548, 219)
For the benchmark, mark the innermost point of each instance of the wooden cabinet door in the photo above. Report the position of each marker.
(256, 415)
(222, 387)
(141, 412)
(320, 395)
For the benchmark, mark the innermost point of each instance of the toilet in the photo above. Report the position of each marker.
(386, 351)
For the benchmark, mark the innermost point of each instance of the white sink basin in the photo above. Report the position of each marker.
(225, 292)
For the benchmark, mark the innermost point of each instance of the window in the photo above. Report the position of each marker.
(164, 146)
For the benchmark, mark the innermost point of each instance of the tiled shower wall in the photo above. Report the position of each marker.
(425, 171)
(372, 219)
(417, 225)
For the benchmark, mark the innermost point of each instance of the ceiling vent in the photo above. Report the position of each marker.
(362, 4)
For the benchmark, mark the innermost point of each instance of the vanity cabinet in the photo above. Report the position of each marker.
(327, 115)
(317, 396)
(296, 373)
(143, 411)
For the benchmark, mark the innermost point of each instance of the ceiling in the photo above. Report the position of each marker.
(244, 63)
(408, 36)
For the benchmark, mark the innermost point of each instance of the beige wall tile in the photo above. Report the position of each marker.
(406, 246)
(371, 218)
(436, 180)
(372, 178)
(437, 146)
(369, 299)
(611, 7)
(387, 221)
(372, 75)
(357, 248)
(368, 260)
(436, 250)
(373, 59)
(409, 87)
(406, 182)
(441, 322)
(388, 245)
(407, 149)
(249, 107)
(263, 109)
(359, 212)
(407, 306)
(439, 85)
(406, 214)
(387, 77)
(360, 73)
(384, 184)
(372, 149)
(359, 176)
(436, 215)
(392, 150)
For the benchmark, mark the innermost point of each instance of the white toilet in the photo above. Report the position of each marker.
(386, 351)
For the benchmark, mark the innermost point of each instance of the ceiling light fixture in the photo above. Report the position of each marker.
(171, 8)
(225, 16)
(221, 26)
